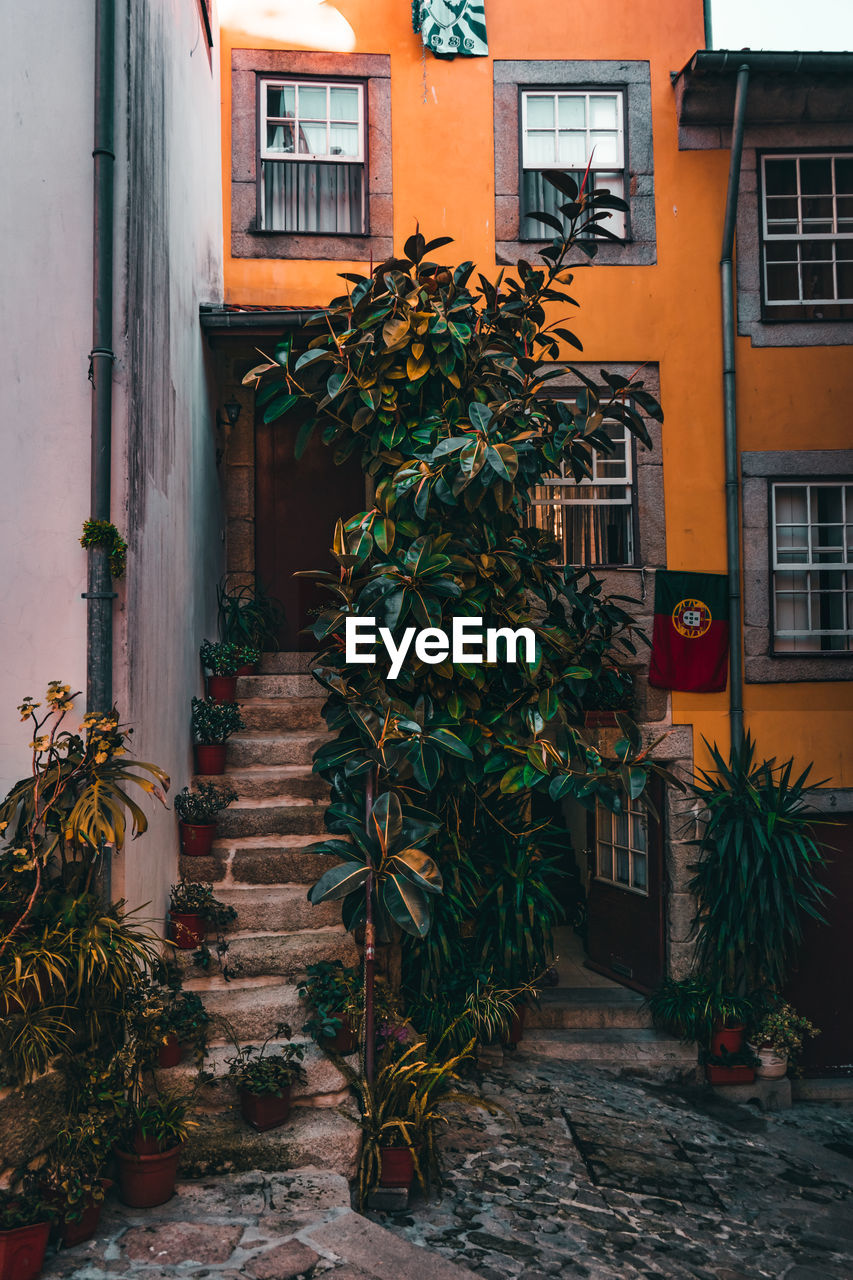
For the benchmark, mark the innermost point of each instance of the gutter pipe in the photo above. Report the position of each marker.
(709, 32)
(730, 416)
(99, 594)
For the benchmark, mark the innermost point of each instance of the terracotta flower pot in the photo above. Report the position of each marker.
(516, 1027)
(729, 1075)
(345, 1039)
(265, 1110)
(247, 669)
(210, 757)
(188, 929)
(84, 1228)
(728, 1038)
(600, 719)
(197, 838)
(147, 1180)
(169, 1054)
(22, 1251)
(771, 1065)
(396, 1167)
(222, 688)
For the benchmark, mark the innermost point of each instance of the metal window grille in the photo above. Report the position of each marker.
(568, 131)
(622, 848)
(812, 578)
(312, 154)
(807, 230)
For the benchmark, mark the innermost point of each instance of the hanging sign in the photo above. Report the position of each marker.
(451, 27)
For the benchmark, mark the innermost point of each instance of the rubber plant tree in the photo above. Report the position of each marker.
(446, 391)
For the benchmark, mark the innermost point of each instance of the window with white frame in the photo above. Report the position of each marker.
(807, 236)
(568, 130)
(812, 573)
(592, 519)
(312, 153)
(622, 847)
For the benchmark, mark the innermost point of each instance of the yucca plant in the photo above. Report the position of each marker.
(759, 872)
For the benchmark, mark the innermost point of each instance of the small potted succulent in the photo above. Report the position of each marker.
(264, 1079)
(335, 995)
(192, 910)
(197, 810)
(155, 1129)
(213, 724)
(777, 1038)
(225, 662)
(25, 1218)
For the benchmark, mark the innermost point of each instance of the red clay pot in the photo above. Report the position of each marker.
(264, 1110)
(247, 669)
(197, 838)
(85, 1227)
(396, 1167)
(147, 1180)
(516, 1027)
(188, 929)
(728, 1038)
(222, 688)
(22, 1251)
(729, 1075)
(345, 1040)
(210, 757)
(168, 1055)
(600, 719)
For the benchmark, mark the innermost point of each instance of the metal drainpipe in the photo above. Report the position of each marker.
(730, 416)
(709, 33)
(99, 595)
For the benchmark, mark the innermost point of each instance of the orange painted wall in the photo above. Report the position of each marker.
(443, 176)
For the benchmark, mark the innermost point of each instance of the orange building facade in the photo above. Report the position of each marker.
(454, 144)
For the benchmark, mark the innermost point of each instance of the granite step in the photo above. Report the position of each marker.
(319, 1137)
(265, 779)
(325, 1084)
(252, 1007)
(260, 860)
(278, 664)
(279, 954)
(276, 909)
(630, 1050)
(278, 748)
(272, 817)
(298, 685)
(588, 1007)
(279, 714)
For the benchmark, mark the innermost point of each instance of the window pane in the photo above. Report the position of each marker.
(280, 137)
(816, 175)
(826, 500)
(792, 544)
(572, 112)
(780, 177)
(792, 503)
(604, 149)
(605, 861)
(281, 101)
(572, 150)
(783, 283)
(623, 867)
(343, 139)
(818, 281)
(306, 196)
(343, 103)
(312, 139)
(844, 175)
(640, 872)
(638, 832)
(312, 103)
(602, 112)
(817, 216)
(539, 150)
(620, 834)
(540, 112)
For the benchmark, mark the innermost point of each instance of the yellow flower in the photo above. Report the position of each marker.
(40, 744)
(100, 757)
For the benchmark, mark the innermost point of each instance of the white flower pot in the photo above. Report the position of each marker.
(771, 1065)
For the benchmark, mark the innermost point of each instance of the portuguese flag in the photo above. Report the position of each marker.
(690, 640)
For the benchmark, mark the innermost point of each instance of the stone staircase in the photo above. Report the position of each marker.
(259, 866)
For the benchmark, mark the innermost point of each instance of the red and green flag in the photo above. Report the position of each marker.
(690, 640)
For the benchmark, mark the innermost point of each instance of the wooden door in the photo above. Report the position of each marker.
(625, 938)
(820, 984)
(296, 506)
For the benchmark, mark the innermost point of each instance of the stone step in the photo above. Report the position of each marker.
(272, 817)
(279, 748)
(632, 1051)
(282, 955)
(270, 714)
(588, 1007)
(278, 664)
(257, 860)
(325, 1085)
(252, 1007)
(276, 910)
(278, 686)
(320, 1137)
(268, 780)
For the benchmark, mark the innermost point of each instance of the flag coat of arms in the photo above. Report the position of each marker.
(690, 639)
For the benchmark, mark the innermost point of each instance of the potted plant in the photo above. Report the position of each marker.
(248, 616)
(72, 1176)
(335, 995)
(213, 724)
(264, 1079)
(154, 1132)
(695, 1011)
(225, 662)
(166, 1023)
(197, 810)
(24, 1229)
(777, 1038)
(192, 909)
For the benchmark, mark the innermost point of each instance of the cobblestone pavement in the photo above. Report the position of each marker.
(616, 1178)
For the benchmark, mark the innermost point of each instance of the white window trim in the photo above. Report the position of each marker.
(277, 82)
(586, 94)
(801, 236)
(810, 565)
(632, 811)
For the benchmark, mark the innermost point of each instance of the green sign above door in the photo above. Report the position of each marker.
(451, 27)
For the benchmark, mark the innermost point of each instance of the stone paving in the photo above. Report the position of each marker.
(616, 1178)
